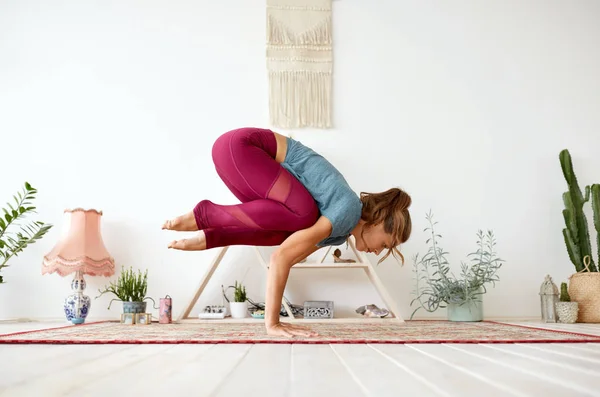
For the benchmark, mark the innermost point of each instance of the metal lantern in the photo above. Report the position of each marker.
(548, 297)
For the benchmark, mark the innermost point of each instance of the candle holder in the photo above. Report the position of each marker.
(143, 318)
(128, 318)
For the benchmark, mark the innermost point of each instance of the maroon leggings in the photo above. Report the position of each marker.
(274, 203)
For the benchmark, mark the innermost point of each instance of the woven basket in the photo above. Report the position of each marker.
(584, 288)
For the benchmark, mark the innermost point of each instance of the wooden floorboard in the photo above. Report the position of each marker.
(378, 375)
(317, 371)
(503, 379)
(265, 371)
(542, 372)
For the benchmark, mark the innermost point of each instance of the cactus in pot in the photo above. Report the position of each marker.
(576, 233)
(584, 283)
(564, 293)
(596, 211)
(566, 310)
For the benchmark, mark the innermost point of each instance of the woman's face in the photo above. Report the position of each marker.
(375, 238)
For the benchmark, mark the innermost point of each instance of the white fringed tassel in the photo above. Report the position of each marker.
(300, 99)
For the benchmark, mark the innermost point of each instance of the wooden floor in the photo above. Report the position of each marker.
(279, 370)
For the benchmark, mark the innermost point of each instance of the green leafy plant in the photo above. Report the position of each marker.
(436, 286)
(239, 293)
(14, 242)
(129, 287)
(576, 233)
(564, 293)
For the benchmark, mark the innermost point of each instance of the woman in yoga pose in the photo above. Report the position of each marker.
(294, 198)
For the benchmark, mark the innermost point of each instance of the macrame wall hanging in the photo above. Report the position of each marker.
(299, 63)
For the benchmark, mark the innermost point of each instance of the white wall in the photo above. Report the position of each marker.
(114, 105)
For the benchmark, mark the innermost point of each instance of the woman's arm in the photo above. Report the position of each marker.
(305, 255)
(299, 245)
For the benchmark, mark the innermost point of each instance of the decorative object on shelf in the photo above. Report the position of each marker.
(143, 318)
(372, 311)
(213, 311)
(130, 288)
(13, 243)
(165, 310)
(128, 318)
(318, 309)
(259, 308)
(299, 63)
(436, 287)
(80, 251)
(239, 306)
(337, 257)
(566, 311)
(548, 299)
(584, 285)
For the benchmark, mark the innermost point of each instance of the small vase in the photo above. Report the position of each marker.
(471, 310)
(567, 312)
(238, 309)
(134, 307)
(77, 305)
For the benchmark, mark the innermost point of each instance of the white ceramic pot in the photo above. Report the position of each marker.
(238, 309)
(567, 312)
(467, 311)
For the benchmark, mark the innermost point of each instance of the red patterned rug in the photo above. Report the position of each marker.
(385, 332)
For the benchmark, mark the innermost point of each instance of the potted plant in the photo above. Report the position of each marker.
(14, 242)
(239, 306)
(437, 287)
(130, 288)
(584, 285)
(565, 309)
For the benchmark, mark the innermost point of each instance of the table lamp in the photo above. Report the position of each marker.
(81, 251)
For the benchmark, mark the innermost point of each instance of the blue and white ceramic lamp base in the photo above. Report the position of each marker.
(77, 305)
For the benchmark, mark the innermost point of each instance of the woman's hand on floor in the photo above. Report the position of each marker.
(289, 330)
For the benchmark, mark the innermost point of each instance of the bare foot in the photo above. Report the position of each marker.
(197, 243)
(183, 223)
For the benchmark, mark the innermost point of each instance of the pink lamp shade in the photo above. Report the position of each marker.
(81, 249)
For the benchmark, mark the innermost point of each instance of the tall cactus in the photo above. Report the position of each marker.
(596, 209)
(576, 234)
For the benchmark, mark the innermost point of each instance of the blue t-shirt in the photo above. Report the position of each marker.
(335, 199)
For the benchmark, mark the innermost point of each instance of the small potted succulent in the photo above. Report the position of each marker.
(566, 310)
(239, 306)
